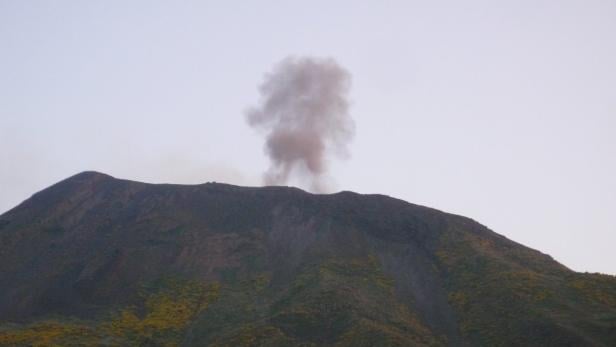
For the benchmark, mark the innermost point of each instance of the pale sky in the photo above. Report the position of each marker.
(502, 111)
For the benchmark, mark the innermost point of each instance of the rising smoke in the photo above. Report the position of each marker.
(304, 115)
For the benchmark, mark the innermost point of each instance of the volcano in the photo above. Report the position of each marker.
(95, 260)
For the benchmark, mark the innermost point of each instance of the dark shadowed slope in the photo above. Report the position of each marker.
(97, 260)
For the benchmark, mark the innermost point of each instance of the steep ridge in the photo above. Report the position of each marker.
(99, 260)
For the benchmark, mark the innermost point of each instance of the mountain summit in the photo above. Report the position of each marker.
(95, 260)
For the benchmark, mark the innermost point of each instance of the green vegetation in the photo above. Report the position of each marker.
(167, 313)
(597, 288)
(333, 302)
(349, 301)
(512, 296)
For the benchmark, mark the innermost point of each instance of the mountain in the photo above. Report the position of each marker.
(95, 260)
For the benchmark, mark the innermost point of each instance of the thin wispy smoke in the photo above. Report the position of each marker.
(304, 113)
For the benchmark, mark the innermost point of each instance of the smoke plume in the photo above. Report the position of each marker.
(304, 115)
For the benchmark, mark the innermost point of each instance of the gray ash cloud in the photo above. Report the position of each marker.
(304, 115)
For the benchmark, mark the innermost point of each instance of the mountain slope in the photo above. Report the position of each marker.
(98, 260)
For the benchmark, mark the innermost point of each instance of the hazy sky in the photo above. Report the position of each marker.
(503, 111)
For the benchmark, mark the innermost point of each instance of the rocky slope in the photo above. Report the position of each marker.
(96, 260)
